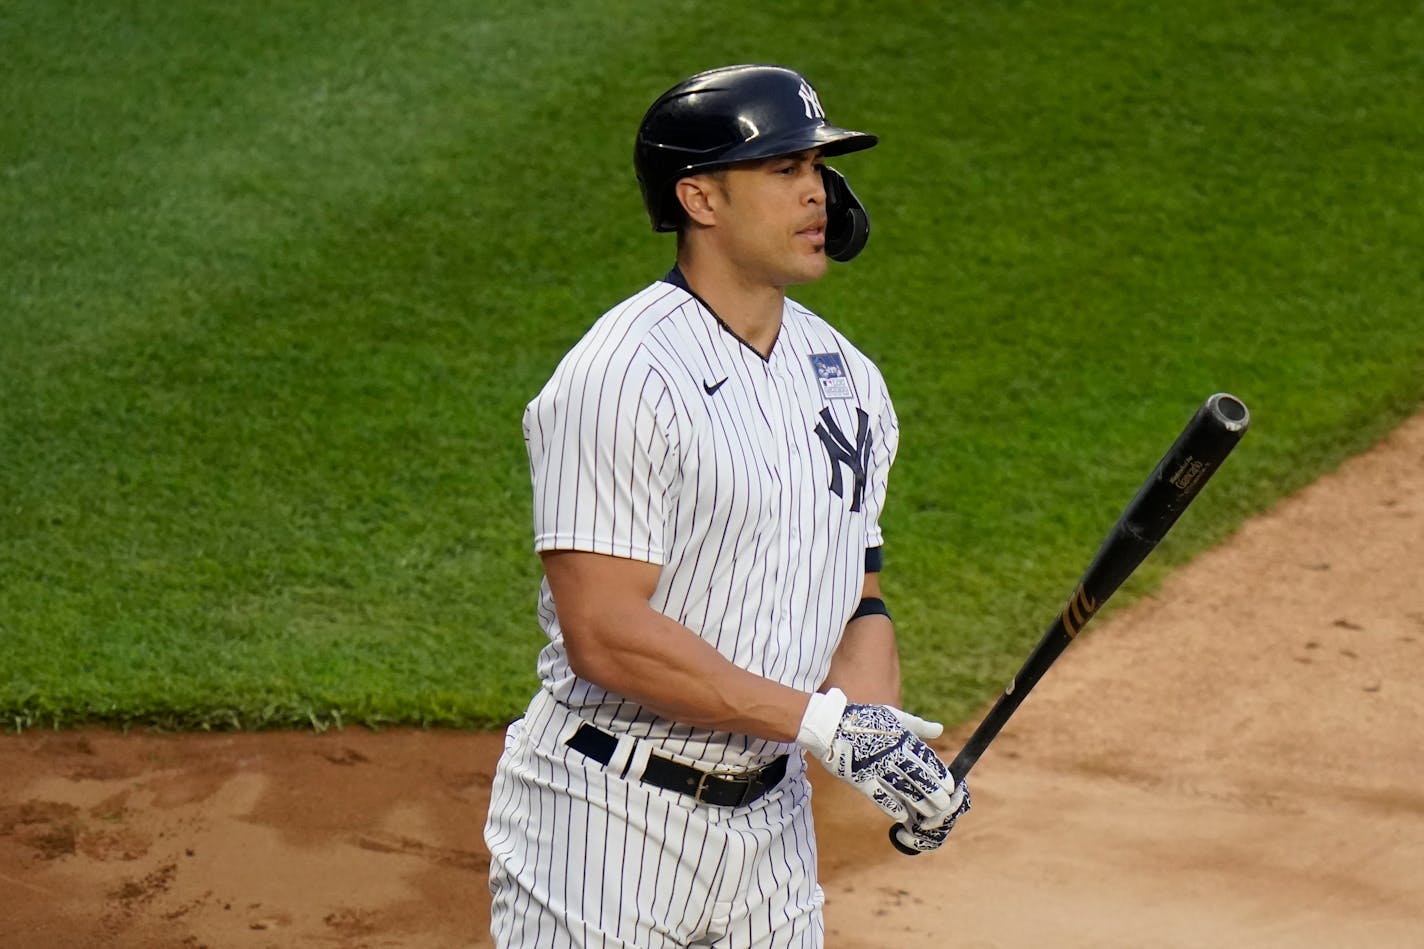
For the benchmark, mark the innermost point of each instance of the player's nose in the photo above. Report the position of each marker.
(816, 188)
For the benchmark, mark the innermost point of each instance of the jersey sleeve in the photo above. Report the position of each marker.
(600, 459)
(885, 443)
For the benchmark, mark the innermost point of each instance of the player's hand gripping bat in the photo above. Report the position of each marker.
(1201, 448)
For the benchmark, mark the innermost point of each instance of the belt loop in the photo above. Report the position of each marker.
(624, 755)
(636, 758)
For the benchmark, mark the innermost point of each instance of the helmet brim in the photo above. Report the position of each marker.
(830, 139)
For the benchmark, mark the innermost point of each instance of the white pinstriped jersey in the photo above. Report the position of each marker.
(756, 484)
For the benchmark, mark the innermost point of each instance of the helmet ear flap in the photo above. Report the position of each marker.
(847, 222)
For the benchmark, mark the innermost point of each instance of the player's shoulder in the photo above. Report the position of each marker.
(621, 333)
(614, 351)
(628, 324)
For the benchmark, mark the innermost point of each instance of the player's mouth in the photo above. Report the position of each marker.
(815, 232)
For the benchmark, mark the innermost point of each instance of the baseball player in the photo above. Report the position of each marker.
(709, 466)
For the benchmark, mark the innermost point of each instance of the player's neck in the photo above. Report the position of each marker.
(751, 309)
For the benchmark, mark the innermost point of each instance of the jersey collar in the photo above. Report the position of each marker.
(677, 279)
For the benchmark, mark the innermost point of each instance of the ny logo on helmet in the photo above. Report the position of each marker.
(811, 101)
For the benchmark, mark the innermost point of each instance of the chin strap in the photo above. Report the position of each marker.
(847, 223)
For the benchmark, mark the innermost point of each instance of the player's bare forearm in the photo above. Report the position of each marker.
(615, 639)
(866, 665)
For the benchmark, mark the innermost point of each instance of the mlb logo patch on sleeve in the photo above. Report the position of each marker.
(831, 373)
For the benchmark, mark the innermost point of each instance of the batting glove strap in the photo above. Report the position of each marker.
(819, 723)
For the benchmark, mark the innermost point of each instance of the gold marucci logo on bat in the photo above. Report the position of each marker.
(1188, 474)
(1079, 610)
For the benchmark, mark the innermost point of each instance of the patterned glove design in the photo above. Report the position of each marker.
(925, 836)
(876, 752)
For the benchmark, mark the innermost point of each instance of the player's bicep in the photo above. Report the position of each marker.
(600, 601)
(588, 588)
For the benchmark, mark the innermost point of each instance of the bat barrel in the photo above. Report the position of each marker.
(1179, 477)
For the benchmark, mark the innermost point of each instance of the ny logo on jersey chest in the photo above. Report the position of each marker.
(855, 455)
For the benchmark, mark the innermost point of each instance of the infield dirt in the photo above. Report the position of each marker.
(1236, 761)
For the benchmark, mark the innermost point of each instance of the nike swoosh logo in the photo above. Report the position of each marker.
(711, 387)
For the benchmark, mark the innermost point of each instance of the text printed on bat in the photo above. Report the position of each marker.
(1188, 474)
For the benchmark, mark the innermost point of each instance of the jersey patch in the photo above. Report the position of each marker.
(831, 373)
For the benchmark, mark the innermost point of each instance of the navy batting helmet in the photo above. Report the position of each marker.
(742, 113)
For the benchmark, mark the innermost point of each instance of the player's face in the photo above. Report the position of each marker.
(773, 221)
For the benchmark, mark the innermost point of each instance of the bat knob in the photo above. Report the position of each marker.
(900, 845)
(1230, 411)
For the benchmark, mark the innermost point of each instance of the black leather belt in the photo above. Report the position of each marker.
(722, 788)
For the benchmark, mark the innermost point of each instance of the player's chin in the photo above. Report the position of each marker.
(810, 264)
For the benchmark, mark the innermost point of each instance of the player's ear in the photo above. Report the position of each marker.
(700, 196)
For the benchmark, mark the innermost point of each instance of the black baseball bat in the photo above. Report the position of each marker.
(1178, 478)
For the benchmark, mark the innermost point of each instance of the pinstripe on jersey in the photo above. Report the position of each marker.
(638, 448)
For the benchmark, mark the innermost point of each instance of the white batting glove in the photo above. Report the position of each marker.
(880, 750)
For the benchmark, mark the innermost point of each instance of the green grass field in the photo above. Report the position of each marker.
(276, 282)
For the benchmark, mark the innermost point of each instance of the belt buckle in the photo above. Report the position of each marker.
(749, 780)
